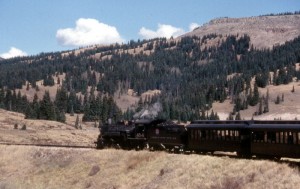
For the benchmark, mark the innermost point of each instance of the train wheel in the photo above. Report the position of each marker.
(100, 144)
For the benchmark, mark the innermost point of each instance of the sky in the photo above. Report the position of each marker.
(29, 27)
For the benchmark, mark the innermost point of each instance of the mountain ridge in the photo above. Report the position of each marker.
(264, 31)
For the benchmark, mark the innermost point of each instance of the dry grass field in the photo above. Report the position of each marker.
(40, 167)
(45, 132)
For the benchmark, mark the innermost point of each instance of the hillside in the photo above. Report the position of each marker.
(289, 109)
(264, 31)
(192, 74)
(37, 167)
(45, 132)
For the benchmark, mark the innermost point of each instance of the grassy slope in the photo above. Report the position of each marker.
(287, 110)
(45, 132)
(37, 167)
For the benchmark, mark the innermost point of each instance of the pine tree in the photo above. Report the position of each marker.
(2, 95)
(260, 109)
(255, 95)
(253, 100)
(61, 100)
(203, 115)
(266, 107)
(18, 106)
(266, 102)
(60, 115)
(212, 115)
(230, 116)
(47, 109)
(72, 111)
(277, 101)
(238, 105)
(238, 116)
(35, 106)
(29, 114)
(293, 89)
(8, 100)
(86, 112)
(24, 127)
(77, 122)
(14, 101)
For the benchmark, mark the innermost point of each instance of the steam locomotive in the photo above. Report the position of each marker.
(266, 139)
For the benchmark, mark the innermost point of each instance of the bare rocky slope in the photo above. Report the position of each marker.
(264, 31)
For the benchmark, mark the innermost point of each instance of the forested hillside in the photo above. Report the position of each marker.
(189, 74)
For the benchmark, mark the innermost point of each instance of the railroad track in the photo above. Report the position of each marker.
(46, 145)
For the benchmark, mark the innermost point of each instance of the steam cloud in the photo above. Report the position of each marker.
(149, 112)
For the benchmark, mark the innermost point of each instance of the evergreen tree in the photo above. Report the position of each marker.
(230, 116)
(293, 89)
(60, 115)
(72, 111)
(8, 100)
(260, 109)
(47, 109)
(35, 106)
(238, 105)
(203, 115)
(2, 95)
(255, 98)
(86, 112)
(77, 122)
(266, 103)
(61, 100)
(255, 94)
(238, 116)
(29, 113)
(277, 101)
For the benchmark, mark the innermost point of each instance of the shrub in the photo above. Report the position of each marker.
(23, 127)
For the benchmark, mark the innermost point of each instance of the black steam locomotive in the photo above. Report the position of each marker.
(267, 139)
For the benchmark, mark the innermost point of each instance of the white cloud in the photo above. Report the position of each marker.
(88, 31)
(193, 26)
(13, 52)
(162, 31)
